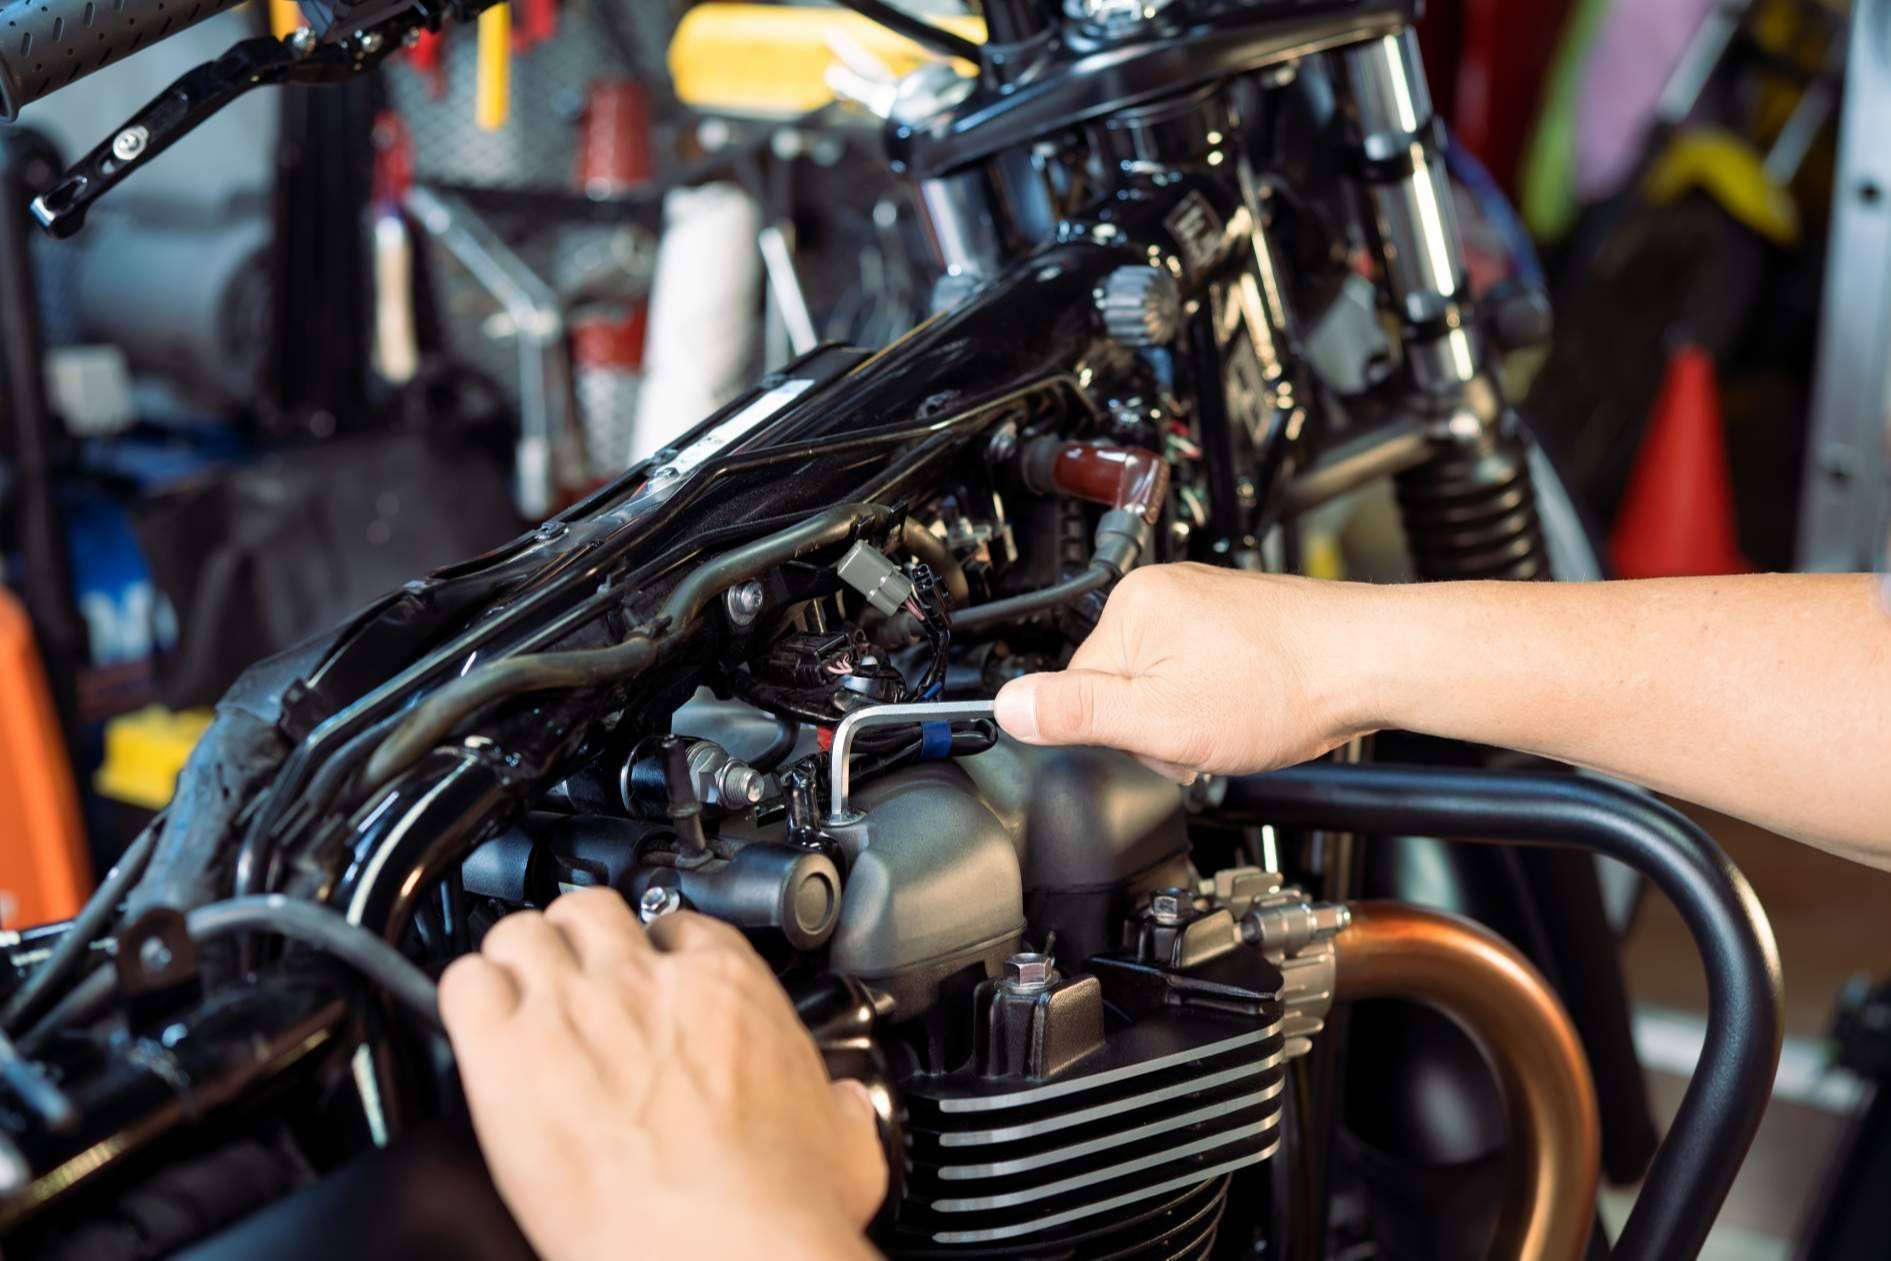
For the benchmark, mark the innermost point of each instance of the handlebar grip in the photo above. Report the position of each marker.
(47, 44)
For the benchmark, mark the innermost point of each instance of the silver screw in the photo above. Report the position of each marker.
(411, 39)
(1115, 15)
(741, 784)
(1002, 445)
(657, 901)
(153, 955)
(1028, 973)
(301, 41)
(744, 602)
(129, 143)
(370, 42)
(1171, 906)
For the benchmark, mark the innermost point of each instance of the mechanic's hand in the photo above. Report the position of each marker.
(1194, 668)
(655, 1094)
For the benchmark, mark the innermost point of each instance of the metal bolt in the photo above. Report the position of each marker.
(369, 42)
(744, 601)
(657, 901)
(153, 955)
(1002, 445)
(1028, 973)
(1171, 906)
(1115, 15)
(129, 143)
(412, 38)
(301, 41)
(741, 784)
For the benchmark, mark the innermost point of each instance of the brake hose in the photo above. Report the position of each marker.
(1695, 1165)
(434, 718)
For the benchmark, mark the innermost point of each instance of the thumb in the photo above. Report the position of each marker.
(862, 1167)
(1069, 707)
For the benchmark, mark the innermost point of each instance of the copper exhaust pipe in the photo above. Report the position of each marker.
(1492, 992)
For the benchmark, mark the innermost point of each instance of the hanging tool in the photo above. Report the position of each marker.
(493, 102)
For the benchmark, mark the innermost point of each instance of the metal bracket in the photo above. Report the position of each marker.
(1845, 512)
(156, 959)
(853, 724)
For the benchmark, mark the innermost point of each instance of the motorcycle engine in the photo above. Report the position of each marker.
(1091, 1096)
(1083, 1044)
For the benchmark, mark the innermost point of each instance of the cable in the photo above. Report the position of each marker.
(34, 1088)
(787, 733)
(85, 927)
(317, 926)
(985, 616)
(307, 922)
(916, 29)
(435, 718)
(76, 1005)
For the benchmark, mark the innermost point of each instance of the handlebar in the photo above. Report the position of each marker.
(47, 44)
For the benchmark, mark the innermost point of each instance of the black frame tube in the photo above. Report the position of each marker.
(917, 29)
(1703, 1150)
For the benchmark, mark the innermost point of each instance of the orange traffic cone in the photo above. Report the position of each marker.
(1677, 516)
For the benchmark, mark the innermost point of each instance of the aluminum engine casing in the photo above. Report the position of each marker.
(955, 863)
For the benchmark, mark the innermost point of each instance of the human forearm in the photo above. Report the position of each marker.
(1767, 697)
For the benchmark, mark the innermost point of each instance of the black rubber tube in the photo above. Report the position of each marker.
(982, 617)
(91, 921)
(1695, 1166)
(916, 29)
(434, 718)
(307, 922)
(317, 926)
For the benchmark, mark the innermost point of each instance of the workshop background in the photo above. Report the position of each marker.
(346, 335)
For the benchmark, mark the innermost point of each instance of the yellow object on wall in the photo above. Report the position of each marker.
(284, 16)
(493, 101)
(144, 751)
(772, 60)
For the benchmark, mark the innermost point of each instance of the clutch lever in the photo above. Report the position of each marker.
(299, 57)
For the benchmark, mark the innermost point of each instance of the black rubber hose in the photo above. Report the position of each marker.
(325, 930)
(86, 927)
(1691, 1173)
(33, 1088)
(307, 922)
(917, 29)
(931, 549)
(434, 718)
(982, 617)
(50, 43)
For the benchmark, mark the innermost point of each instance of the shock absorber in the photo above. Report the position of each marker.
(1470, 511)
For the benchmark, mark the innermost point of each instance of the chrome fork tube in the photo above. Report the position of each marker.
(1400, 160)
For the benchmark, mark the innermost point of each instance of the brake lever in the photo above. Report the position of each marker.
(299, 57)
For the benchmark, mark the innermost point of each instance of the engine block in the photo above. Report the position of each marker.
(1101, 1114)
